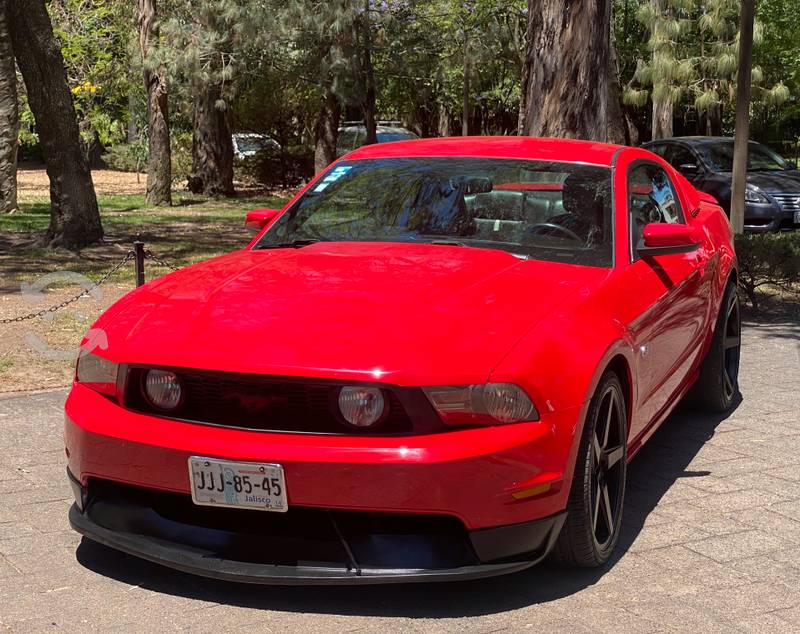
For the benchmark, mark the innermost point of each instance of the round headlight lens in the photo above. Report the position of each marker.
(163, 389)
(507, 402)
(361, 406)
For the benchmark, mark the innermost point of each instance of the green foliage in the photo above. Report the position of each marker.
(127, 157)
(693, 46)
(95, 37)
(768, 261)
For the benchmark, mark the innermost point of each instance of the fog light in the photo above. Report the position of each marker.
(361, 406)
(163, 389)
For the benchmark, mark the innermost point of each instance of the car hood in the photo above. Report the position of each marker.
(399, 313)
(776, 182)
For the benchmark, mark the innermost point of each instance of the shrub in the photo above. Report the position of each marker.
(127, 157)
(768, 260)
(181, 146)
(132, 157)
(285, 167)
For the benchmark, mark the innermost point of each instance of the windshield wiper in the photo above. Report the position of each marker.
(291, 244)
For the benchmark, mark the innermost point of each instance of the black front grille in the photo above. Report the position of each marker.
(273, 403)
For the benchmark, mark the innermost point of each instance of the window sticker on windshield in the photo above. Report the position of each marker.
(334, 176)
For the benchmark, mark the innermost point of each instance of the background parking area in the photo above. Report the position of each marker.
(711, 541)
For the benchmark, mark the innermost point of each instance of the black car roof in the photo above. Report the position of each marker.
(693, 140)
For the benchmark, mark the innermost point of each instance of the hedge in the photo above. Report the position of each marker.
(768, 260)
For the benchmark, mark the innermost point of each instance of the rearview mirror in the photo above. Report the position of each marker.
(259, 219)
(666, 239)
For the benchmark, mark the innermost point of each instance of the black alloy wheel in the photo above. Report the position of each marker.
(594, 509)
(717, 386)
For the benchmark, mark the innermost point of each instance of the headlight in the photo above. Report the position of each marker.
(482, 404)
(97, 373)
(751, 195)
(163, 389)
(362, 406)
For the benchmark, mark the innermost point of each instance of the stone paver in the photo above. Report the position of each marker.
(711, 542)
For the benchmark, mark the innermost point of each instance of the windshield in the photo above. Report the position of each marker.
(542, 210)
(719, 156)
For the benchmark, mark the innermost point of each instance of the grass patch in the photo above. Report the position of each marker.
(191, 230)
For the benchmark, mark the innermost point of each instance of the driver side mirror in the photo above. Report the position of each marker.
(689, 169)
(259, 219)
(666, 239)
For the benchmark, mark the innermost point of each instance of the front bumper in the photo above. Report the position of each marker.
(269, 548)
(461, 504)
(767, 217)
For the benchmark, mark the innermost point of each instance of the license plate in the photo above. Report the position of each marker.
(242, 485)
(797, 217)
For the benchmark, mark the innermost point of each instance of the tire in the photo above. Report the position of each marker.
(717, 387)
(594, 508)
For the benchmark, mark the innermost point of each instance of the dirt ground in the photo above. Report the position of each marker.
(33, 184)
(38, 354)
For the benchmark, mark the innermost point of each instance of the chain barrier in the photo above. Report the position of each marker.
(151, 256)
(131, 255)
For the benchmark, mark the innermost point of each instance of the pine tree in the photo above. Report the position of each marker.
(159, 163)
(324, 49)
(693, 63)
(205, 46)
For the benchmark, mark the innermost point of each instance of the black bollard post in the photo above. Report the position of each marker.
(138, 256)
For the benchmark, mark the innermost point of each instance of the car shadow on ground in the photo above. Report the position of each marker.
(654, 470)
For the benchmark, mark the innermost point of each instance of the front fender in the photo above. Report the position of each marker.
(560, 366)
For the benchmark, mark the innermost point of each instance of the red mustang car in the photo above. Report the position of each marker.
(434, 363)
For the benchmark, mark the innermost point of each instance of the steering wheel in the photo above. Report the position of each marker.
(551, 225)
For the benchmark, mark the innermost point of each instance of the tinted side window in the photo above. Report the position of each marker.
(681, 156)
(661, 150)
(651, 198)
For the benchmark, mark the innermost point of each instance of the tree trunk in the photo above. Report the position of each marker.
(74, 216)
(442, 120)
(617, 130)
(212, 145)
(662, 117)
(368, 73)
(661, 127)
(525, 76)
(9, 117)
(159, 165)
(465, 103)
(567, 58)
(326, 131)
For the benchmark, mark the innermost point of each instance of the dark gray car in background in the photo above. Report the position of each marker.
(772, 197)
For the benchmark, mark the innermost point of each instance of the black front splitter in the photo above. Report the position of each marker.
(207, 564)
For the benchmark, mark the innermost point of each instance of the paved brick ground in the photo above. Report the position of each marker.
(711, 542)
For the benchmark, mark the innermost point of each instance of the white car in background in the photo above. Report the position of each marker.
(246, 144)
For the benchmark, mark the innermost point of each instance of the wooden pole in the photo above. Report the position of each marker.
(742, 115)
